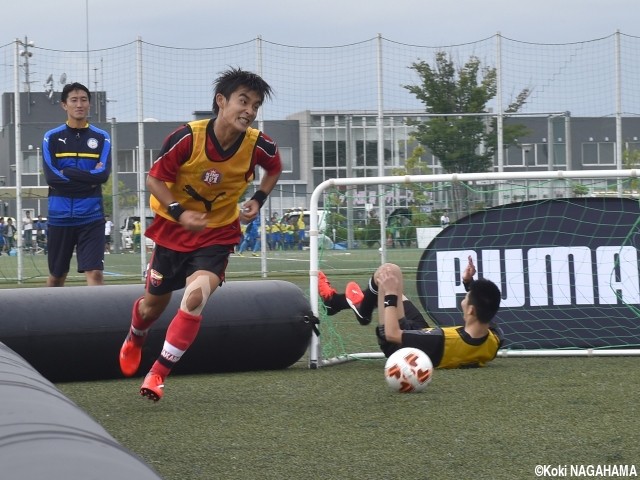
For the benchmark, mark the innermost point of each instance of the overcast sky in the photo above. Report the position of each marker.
(62, 24)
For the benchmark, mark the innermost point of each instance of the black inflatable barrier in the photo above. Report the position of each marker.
(43, 434)
(75, 333)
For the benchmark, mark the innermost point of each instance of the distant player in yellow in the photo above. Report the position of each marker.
(402, 325)
(137, 232)
(300, 226)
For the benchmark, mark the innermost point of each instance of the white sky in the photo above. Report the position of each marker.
(62, 24)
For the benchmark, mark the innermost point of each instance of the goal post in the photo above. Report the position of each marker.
(570, 297)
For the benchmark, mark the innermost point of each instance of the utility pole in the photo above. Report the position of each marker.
(27, 74)
(97, 96)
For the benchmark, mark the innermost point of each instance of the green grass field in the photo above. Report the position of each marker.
(293, 265)
(341, 422)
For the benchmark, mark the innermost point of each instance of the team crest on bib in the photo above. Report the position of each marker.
(92, 143)
(211, 177)
(155, 277)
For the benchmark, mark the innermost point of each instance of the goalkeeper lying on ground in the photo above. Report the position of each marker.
(401, 324)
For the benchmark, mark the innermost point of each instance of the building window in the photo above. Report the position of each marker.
(127, 161)
(606, 153)
(512, 157)
(286, 156)
(330, 154)
(542, 159)
(149, 158)
(366, 152)
(559, 154)
(30, 162)
(317, 154)
(598, 153)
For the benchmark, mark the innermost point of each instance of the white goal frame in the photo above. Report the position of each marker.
(315, 352)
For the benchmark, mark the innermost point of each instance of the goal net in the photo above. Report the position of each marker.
(566, 263)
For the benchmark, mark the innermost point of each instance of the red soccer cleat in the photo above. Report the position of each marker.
(324, 287)
(354, 296)
(130, 356)
(152, 387)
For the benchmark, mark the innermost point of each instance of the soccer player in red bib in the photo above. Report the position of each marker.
(196, 183)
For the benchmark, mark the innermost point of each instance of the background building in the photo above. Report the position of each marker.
(315, 146)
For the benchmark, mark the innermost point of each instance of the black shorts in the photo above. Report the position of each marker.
(412, 320)
(168, 269)
(87, 240)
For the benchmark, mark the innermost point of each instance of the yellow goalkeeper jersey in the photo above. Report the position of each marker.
(459, 353)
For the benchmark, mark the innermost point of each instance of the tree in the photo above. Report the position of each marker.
(579, 190)
(631, 160)
(463, 144)
(414, 165)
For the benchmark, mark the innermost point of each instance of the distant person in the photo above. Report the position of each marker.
(27, 232)
(9, 234)
(277, 237)
(257, 244)
(77, 162)
(196, 183)
(41, 234)
(288, 233)
(444, 220)
(401, 324)
(300, 230)
(2, 245)
(251, 238)
(108, 227)
(137, 234)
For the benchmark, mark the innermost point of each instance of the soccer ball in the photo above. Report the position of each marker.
(408, 370)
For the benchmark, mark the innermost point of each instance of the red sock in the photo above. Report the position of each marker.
(139, 326)
(181, 333)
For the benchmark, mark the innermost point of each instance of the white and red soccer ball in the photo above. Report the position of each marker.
(408, 370)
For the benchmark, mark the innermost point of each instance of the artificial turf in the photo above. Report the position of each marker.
(342, 422)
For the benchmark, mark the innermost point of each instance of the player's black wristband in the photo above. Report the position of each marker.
(175, 210)
(390, 301)
(259, 197)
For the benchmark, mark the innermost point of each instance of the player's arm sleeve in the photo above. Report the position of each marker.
(176, 149)
(52, 174)
(54, 177)
(413, 319)
(98, 175)
(268, 156)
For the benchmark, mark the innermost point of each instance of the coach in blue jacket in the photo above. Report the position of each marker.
(76, 163)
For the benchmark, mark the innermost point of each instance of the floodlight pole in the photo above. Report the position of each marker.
(18, 142)
(381, 188)
(86, 3)
(142, 211)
